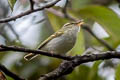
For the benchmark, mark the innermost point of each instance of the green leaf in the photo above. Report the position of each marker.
(11, 3)
(117, 73)
(105, 17)
(80, 73)
(93, 74)
(77, 4)
(56, 22)
(79, 46)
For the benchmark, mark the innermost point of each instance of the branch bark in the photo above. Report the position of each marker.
(9, 73)
(31, 4)
(66, 67)
(48, 5)
(20, 49)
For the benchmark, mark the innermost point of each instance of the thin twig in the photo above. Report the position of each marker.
(31, 4)
(66, 15)
(19, 49)
(48, 5)
(14, 32)
(86, 27)
(61, 14)
(56, 12)
(64, 10)
(9, 73)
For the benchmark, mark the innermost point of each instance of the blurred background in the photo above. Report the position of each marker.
(29, 31)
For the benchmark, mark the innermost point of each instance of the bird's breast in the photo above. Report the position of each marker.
(61, 44)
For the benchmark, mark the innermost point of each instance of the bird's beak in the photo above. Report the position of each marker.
(80, 23)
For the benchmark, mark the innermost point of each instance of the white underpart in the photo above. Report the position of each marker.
(79, 29)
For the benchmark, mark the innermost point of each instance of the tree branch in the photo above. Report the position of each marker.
(9, 73)
(31, 4)
(66, 15)
(61, 14)
(66, 67)
(56, 12)
(48, 5)
(19, 49)
(13, 30)
(86, 27)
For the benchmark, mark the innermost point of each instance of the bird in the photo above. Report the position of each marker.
(60, 42)
(41, 1)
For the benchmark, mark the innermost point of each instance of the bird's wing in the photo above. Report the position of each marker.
(32, 55)
(58, 33)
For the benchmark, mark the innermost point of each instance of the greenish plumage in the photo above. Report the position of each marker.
(61, 41)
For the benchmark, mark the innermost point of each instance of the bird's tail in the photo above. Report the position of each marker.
(30, 56)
